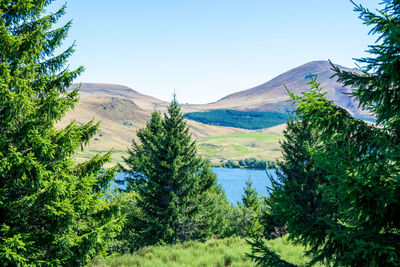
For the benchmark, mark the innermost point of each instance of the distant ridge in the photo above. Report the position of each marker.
(272, 96)
(145, 102)
(122, 110)
(296, 78)
(269, 96)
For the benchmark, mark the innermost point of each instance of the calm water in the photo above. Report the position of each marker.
(233, 181)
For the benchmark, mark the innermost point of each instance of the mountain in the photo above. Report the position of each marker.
(272, 95)
(122, 110)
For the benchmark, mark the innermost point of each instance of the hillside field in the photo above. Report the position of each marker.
(261, 146)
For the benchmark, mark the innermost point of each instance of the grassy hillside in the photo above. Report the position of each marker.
(121, 111)
(215, 252)
(240, 119)
(119, 119)
(240, 146)
(236, 146)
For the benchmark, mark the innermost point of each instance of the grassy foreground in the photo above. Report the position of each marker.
(214, 252)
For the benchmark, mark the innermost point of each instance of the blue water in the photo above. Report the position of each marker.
(233, 181)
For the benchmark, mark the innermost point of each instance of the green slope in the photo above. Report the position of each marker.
(240, 146)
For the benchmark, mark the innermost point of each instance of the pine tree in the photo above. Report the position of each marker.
(175, 186)
(250, 197)
(52, 210)
(353, 219)
(251, 210)
(296, 180)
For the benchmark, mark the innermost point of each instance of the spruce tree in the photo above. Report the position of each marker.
(251, 208)
(353, 219)
(250, 197)
(175, 186)
(296, 180)
(52, 210)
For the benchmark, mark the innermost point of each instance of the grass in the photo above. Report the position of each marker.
(291, 253)
(214, 252)
(240, 146)
(225, 147)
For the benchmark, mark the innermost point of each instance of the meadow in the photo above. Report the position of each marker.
(215, 252)
(240, 146)
(261, 146)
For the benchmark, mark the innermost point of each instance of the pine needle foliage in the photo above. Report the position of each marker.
(264, 256)
(250, 197)
(176, 188)
(349, 216)
(52, 210)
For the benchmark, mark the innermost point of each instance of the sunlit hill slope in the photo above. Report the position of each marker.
(122, 110)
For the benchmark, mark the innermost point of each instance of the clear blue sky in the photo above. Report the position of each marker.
(206, 49)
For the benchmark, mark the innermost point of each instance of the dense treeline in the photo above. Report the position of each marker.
(337, 189)
(240, 119)
(250, 163)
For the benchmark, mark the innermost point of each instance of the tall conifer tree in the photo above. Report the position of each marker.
(172, 181)
(52, 211)
(353, 218)
(250, 197)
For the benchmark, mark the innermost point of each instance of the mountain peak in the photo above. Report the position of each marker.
(272, 95)
(295, 79)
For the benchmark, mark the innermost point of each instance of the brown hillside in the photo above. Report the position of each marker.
(122, 110)
(120, 118)
(145, 102)
(272, 95)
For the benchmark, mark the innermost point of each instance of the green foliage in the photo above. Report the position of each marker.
(295, 194)
(52, 211)
(264, 256)
(250, 163)
(176, 188)
(344, 200)
(239, 220)
(376, 87)
(251, 202)
(250, 197)
(240, 119)
(272, 226)
(122, 243)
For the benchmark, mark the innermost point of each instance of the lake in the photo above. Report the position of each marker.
(233, 181)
